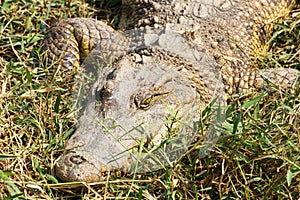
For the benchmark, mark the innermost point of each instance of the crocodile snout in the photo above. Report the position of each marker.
(75, 167)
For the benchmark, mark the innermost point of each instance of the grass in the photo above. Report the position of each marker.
(257, 157)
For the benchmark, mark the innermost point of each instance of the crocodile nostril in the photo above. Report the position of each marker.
(77, 159)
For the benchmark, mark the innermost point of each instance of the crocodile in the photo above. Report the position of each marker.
(164, 64)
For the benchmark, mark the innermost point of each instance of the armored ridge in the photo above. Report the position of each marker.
(174, 57)
(70, 41)
(233, 33)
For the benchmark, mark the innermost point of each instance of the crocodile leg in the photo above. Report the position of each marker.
(70, 41)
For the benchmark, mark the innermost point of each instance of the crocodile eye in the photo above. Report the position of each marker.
(144, 99)
(143, 102)
(146, 102)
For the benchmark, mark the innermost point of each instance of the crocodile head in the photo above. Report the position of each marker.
(145, 112)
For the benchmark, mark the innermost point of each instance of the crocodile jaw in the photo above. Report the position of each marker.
(117, 133)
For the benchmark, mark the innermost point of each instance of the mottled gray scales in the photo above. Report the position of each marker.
(166, 80)
(233, 32)
(171, 58)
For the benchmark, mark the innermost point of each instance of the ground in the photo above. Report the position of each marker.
(257, 157)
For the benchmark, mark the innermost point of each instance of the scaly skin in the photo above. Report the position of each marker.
(138, 94)
(233, 32)
(70, 41)
(209, 49)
